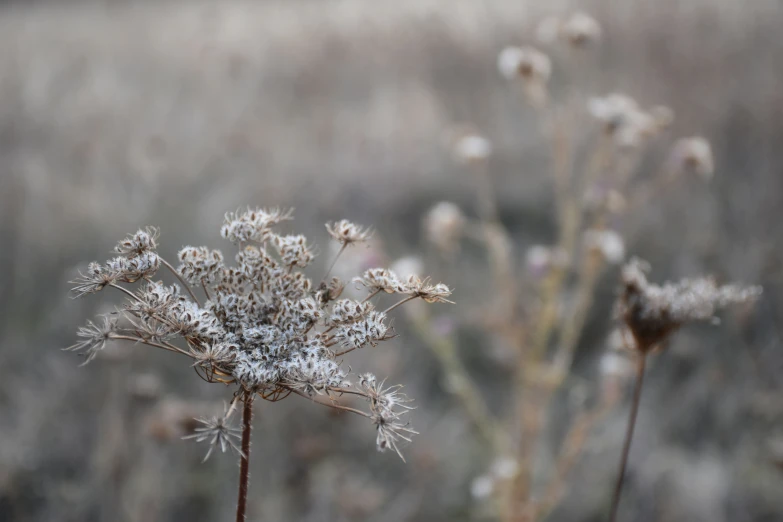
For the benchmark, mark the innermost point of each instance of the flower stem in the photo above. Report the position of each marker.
(244, 462)
(637, 394)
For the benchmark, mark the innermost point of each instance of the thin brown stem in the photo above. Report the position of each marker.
(125, 290)
(330, 405)
(400, 303)
(637, 394)
(334, 261)
(244, 462)
(179, 277)
(206, 290)
(167, 346)
(373, 294)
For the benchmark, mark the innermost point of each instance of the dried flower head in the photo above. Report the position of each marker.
(693, 155)
(581, 30)
(527, 63)
(218, 433)
(444, 225)
(607, 243)
(348, 233)
(625, 121)
(263, 327)
(417, 287)
(471, 148)
(94, 337)
(652, 313)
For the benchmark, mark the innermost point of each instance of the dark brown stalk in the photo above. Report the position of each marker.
(637, 394)
(244, 463)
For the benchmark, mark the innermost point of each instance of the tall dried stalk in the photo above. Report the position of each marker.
(637, 394)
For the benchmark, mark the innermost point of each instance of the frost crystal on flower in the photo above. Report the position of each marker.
(262, 325)
(652, 313)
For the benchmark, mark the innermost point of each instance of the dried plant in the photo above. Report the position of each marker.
(651, 314)
(262, 326)
(590, 197)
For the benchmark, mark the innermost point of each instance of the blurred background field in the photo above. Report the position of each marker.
(116, 115)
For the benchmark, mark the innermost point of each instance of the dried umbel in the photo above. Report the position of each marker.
(625, 121)
(652, 313)
(580, 30)
(261, 326)
(471, 148)
(444, 225)
(531, 66)
(693, 155)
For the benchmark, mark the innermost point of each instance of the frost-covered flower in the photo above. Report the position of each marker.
(200, 264)
(417, 287)
(652, 313)
(262, 325)
(381, 279)
(136, 244)
(348, 233)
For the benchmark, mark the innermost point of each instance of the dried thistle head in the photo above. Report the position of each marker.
(262, 326)
(652, 313)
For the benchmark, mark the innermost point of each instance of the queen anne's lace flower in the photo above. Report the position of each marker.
(262, 325)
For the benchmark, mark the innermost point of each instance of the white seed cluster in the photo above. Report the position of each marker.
(262, 325)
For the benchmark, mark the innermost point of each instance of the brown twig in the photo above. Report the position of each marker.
(179, 277)
(244, 462)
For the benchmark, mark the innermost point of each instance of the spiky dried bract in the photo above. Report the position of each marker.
(218, 433)
(264, 326)
(387, 420)
(652, 313)
(348, 233)
(94, 337)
